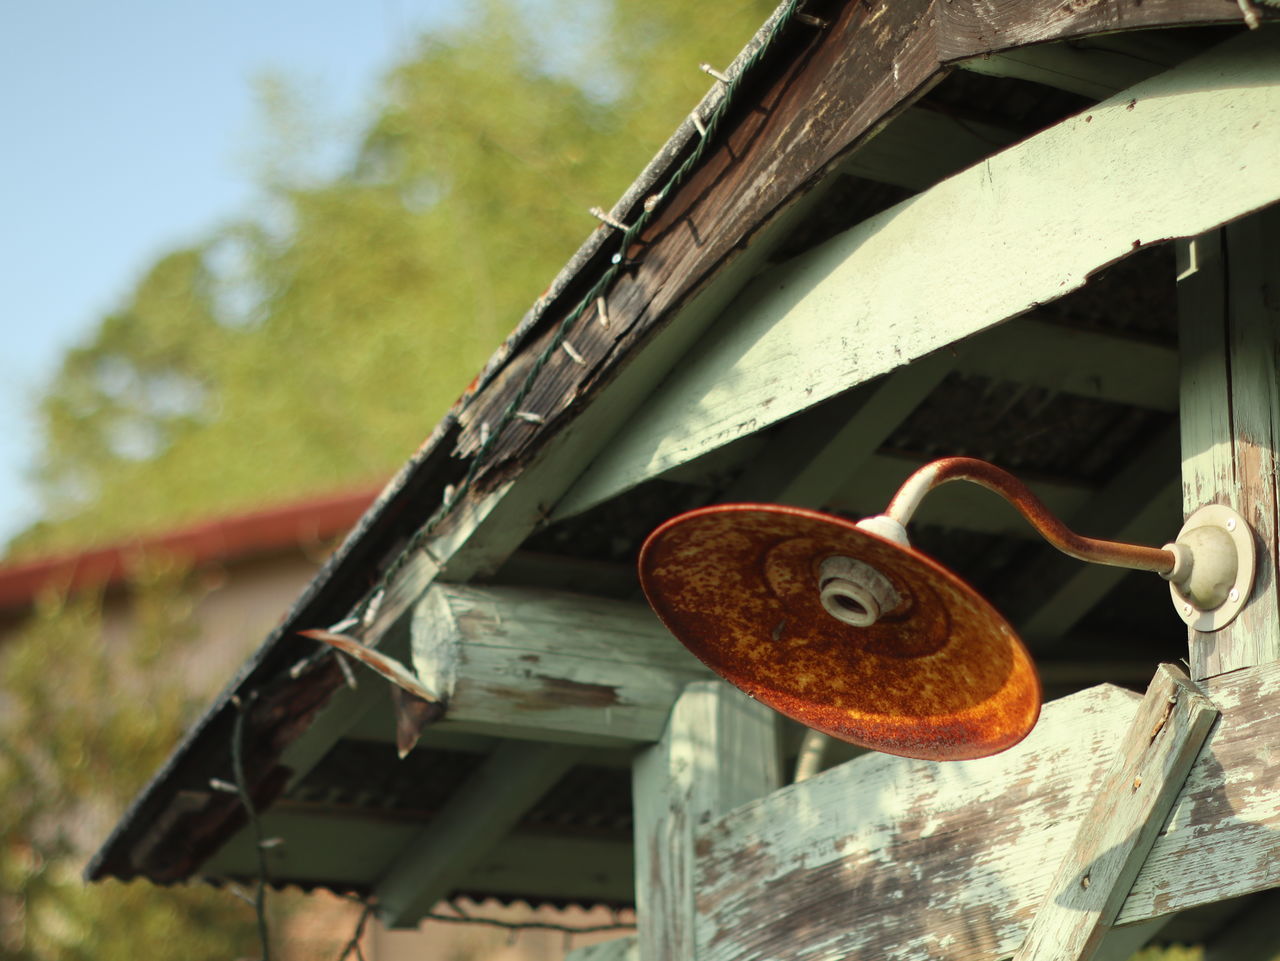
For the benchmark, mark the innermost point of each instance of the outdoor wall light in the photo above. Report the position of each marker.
(848, 629)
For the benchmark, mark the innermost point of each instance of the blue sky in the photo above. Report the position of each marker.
(131, 127)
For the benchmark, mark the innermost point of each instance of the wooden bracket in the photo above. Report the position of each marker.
(1129, 809)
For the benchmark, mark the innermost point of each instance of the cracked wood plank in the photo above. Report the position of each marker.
(888, 859)
(1223, 838)
(1116, 833)
(892, 859)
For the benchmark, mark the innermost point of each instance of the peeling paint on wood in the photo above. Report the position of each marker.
(549, 665)
(882, 858)
(1116, 833)
(1229, 328)
(855, 308)
(886, 858)
(1223, 837)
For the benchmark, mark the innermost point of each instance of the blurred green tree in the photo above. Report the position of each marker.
(317, 346)
(85, 719)
(309, 348)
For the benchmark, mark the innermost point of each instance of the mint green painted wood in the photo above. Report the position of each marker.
(549, 665)
(720, 750)
(808, 462)
(897, 860)
(1082, 362)
(1229, 329)
(1223, 838)
(1115, 835)
(1173, 156)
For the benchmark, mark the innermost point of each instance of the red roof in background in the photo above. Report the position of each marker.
(223, 539)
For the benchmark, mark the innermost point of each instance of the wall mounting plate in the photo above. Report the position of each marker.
(1240, 533)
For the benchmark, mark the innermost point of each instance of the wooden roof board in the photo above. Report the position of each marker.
(827, 91)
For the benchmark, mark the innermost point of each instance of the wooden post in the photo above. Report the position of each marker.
(1129, 808)
(1229, 333)
(719, 751)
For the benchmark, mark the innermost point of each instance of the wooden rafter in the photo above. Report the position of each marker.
(816, 326)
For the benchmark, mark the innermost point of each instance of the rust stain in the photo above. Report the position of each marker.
(579, 694)
(556, 693)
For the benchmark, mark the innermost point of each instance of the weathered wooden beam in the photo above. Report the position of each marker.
(855, 308)
(1088, 71)
(480, 812)
(1096, 67)
(573, 867)
(1086, 363)
(1229, 329)
(893, 859)
(1115, 835)
(973, 27)
(549, 666)
(889, 858)
(719, 750)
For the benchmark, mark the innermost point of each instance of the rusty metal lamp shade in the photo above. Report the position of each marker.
(846, 628)
(942, 676)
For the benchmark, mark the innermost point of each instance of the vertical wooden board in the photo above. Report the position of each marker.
(1116, 833)
(888, 859)
(719, 751)
(1229, 327)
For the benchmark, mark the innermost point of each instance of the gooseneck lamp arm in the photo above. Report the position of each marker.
(1209, 566)
(1136, 557)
